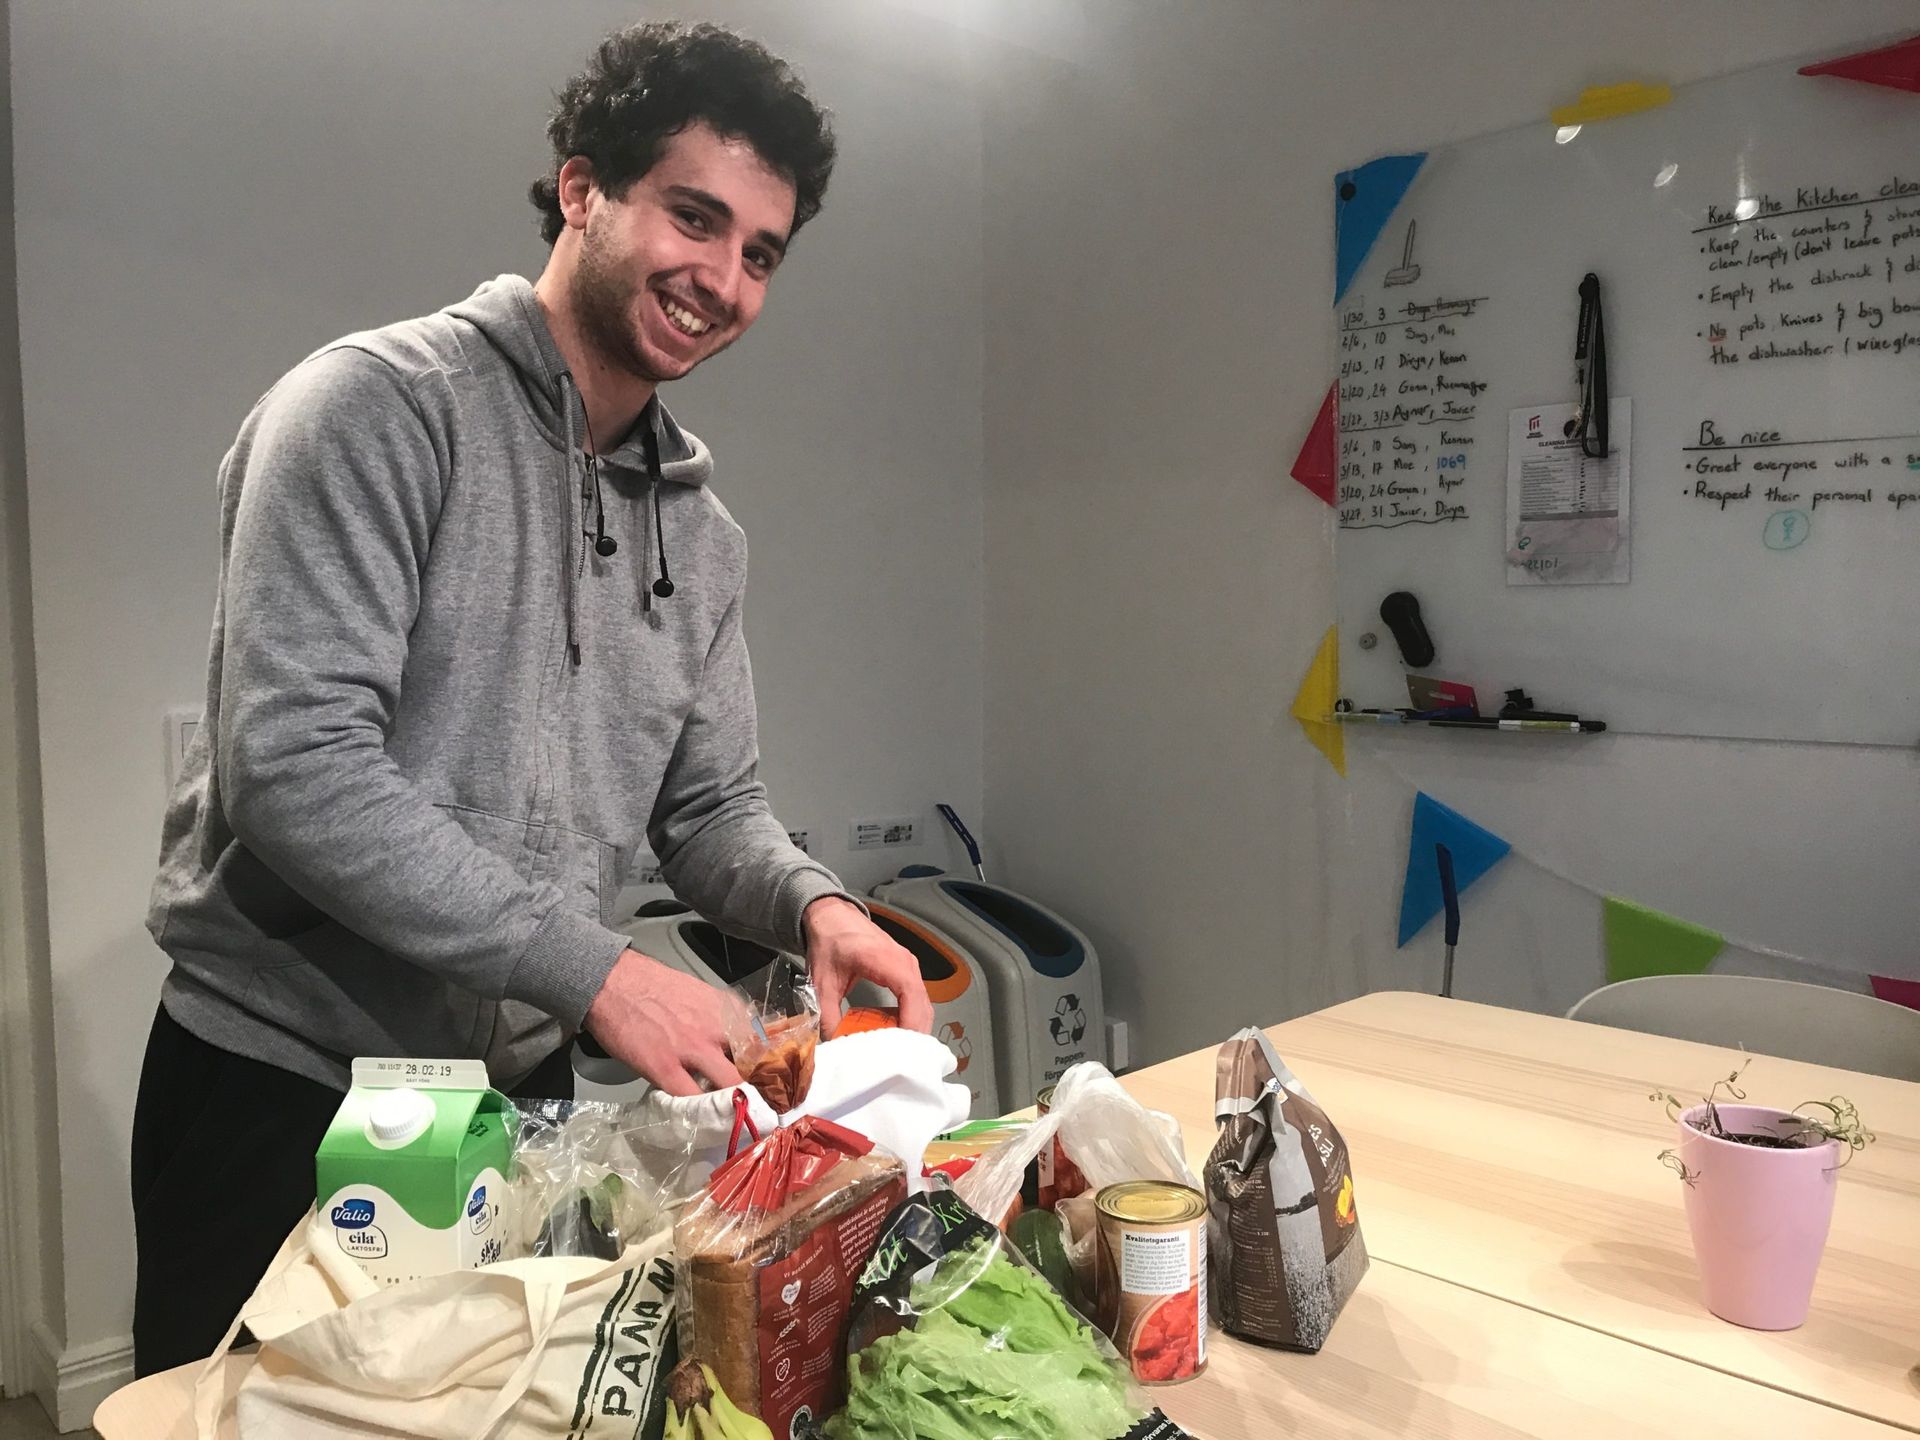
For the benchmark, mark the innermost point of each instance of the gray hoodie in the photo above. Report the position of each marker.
(439, 726)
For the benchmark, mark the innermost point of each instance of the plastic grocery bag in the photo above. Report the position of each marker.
(1107, 1134)
(592, 1177)
(767, 1261)
(955, 1337)
(518, 1350)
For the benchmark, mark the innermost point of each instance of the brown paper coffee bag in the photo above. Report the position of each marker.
(1284, 1245)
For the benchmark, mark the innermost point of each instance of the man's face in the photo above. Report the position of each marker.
(676, 271)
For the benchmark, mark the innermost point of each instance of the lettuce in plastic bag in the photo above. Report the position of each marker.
(990, 1353)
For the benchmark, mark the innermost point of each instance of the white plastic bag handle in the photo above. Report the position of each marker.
(1107, 1133)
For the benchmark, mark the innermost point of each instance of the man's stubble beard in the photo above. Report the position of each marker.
(602, 299)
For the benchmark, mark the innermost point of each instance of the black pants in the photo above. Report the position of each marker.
(223, 1151)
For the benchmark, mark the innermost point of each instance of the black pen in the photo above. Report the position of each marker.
(1590, 371)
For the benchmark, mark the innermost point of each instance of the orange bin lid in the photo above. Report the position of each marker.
(949, 987)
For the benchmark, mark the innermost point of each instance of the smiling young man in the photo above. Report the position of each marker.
(477, 644)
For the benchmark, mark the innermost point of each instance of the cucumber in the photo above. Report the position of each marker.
(1038, 1237)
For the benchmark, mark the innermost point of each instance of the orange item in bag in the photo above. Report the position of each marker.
(863, 1018)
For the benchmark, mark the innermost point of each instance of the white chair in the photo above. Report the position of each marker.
(1814, 1023)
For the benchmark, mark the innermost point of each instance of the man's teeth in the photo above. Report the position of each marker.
(685, 319)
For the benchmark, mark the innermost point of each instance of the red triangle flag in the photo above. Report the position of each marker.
(1896, 65)
(1316, 464)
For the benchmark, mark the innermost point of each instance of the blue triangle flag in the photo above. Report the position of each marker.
(1363, 202)
(1475, 851)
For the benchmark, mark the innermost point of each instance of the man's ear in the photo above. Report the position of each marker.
(575, 184)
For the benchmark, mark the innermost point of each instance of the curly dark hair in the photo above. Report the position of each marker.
(651, 81)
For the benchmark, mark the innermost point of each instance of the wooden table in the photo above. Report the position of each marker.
(1531, 1269)
(1512, 1155)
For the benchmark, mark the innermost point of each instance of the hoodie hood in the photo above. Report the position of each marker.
(507, 313)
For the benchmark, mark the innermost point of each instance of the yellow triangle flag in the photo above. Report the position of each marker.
(1313, 705)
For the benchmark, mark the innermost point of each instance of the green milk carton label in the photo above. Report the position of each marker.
(411, 1176)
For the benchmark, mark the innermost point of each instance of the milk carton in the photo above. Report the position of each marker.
(412, 1173)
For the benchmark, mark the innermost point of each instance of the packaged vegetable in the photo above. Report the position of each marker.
(1038, 1236)
(768, 1259)
(593, 1177)
(955, 1338)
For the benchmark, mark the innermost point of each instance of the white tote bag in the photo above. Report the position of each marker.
(549, 1347)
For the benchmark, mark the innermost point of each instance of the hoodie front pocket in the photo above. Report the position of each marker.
(344, 994)
(583, 867)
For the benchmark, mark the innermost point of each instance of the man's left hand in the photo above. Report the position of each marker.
(843, 946)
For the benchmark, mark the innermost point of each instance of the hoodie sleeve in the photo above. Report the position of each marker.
(341, 483)
(718, 844)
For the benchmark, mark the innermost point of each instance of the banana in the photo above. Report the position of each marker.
(708, 1427)
(739, 1425)
(676, 1428)
(733, 1422)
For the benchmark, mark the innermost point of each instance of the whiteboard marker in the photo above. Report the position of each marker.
(1561, 727)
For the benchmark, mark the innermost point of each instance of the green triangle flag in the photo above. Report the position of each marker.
(1641, 942)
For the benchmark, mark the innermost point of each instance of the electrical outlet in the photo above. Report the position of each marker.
(883, 831)
(1119, 1045)
(800, 840)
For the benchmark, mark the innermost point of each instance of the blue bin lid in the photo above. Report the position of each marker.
(1049, 946)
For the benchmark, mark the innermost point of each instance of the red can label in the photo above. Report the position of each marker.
(1151, 1288)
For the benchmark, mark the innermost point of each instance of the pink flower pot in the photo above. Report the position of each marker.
(1759, 1217)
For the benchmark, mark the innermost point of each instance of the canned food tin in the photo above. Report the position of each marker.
(1150, 1277)
(1060, 1178)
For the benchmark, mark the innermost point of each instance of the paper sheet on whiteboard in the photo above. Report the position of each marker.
(1567, 513)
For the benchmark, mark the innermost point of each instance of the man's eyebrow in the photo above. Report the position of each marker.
(707, 200)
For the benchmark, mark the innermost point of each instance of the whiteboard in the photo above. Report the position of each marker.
(1758, 242)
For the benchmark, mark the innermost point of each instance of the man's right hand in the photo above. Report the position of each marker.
(667, 1025)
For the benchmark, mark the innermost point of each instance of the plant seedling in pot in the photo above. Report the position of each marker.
(1759, 1194)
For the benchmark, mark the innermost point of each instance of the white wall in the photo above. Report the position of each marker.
(30, 1261)
(208, 189)
(1159, 271)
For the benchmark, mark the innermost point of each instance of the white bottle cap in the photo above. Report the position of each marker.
(398, 1116)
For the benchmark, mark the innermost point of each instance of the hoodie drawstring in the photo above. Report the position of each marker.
(657, 545)
(575, 561)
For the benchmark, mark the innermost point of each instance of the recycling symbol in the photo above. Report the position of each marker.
(1069, 1021)
(954, 1036)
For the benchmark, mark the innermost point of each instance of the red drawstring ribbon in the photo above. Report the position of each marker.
(790, 1160)
(741, 1116)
